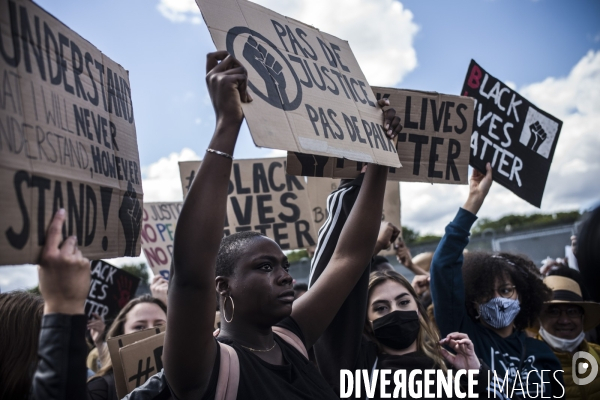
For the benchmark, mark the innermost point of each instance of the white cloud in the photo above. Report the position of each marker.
(180, 11)
(161, 179)
(381, 32)
(277, 153)
(573, 179)
(18, 277)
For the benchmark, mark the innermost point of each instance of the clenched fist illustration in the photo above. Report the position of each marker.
(538, 136)
(269, 69)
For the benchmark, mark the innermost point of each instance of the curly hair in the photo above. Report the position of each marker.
(482, 269)
(231, 249)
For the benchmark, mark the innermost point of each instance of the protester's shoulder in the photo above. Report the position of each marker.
(99, 387)
(536, 345)
(540, 349)
(595, 347)
(291, 325)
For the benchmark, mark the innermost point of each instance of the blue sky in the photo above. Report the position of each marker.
(520, 41)
(548, 49)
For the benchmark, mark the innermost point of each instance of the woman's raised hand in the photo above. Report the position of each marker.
(479, 186)
(465, 357)
(227, 83)
(64, 273)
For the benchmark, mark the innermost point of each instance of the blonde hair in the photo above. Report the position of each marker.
(429, 337)
(117, 328)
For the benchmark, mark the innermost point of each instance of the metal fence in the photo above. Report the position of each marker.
(537, 244)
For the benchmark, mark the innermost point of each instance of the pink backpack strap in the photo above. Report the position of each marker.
(229, 374)
(292, 339)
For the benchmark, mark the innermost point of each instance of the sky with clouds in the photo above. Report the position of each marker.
(548, 50)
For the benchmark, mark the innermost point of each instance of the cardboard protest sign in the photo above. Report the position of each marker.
(116, 343)
(110, 289)
(158, 230)
(309, 92)
(320, 188)
(433, 145)
(67, 139)
(318, 191)
(513, 135)
(141, 360)
(263, 198)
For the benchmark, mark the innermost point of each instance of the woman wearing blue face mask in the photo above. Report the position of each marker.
(493, 298)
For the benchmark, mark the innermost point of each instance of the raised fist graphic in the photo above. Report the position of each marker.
(269, 69)
(538, 136)
(130, 214)
(124, 289)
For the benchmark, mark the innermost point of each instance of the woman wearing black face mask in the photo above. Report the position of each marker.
(402, 337)
(396, 333)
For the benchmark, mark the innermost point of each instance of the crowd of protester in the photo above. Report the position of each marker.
(497, 313)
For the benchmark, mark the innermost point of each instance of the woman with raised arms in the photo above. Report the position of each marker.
(252, 280)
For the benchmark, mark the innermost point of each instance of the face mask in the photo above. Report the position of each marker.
(398, 329)
(499, 312)
(561, 344)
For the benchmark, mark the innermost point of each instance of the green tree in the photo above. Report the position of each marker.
(412, 237)
(517, 222)
(296, 255)
(409, 235)
(140, 270)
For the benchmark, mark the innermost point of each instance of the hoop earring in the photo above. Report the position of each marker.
(232, 309)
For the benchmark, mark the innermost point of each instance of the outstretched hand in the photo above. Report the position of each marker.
(465, 357)
(479, 186)
(227, 82)
(64, 273)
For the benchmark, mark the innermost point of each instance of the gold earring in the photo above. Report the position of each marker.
(232, 309)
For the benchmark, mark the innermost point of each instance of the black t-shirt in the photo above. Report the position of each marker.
(296, 379)
(102, 388)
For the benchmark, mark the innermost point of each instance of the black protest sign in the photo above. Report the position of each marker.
(263, 198)
(309, 92)
(512, 134)
(67, 139)
(432, 147)
(158, 230)
(111, 289)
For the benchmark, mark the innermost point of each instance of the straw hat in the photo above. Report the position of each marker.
(567, 291)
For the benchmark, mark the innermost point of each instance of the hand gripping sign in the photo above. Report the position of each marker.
(433, 145)
(309, 93)
(67, 140)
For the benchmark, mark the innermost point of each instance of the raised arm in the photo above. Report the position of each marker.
(190, 349)
(447, 286)
(64, 283)
(314, 311)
